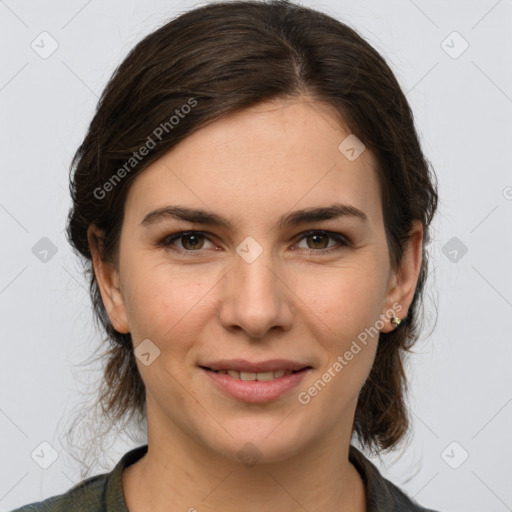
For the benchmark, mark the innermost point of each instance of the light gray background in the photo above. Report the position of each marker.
(461, 383)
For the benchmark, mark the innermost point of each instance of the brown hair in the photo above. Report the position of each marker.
(222, 58)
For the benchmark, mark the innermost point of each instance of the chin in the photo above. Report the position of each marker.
(258, 440)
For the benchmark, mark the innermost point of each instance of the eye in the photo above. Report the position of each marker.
(318, 241)
(191, 241)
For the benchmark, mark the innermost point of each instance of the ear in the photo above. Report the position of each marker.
(402, 283)
(107, 277)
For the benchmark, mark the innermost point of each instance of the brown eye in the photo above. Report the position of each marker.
(318, 240)
(186, 242)
(193, 241)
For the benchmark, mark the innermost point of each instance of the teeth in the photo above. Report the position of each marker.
(266, 376)
(260, 376)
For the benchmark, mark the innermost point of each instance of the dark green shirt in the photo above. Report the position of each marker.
(104, 493)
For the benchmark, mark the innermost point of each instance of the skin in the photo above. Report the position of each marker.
(295, 301)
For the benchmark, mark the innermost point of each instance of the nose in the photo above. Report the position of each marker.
(256, 297)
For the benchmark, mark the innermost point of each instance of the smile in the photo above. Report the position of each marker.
(260, 376)
(255, 387)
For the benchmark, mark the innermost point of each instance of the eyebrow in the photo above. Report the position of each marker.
(314, 214)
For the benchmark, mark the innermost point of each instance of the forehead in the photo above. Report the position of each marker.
(261, 162)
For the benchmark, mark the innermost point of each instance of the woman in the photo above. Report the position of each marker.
(253, 202)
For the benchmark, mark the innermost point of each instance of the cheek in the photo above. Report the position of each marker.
(165, 305)
(347, 298)
(344, 304)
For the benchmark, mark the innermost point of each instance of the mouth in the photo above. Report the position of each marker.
(255, 382)
(259, 376)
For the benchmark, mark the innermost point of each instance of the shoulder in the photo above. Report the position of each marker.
(100, 493)
(87, 496)
(381, 494)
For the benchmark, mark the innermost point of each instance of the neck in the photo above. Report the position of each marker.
(179, 470)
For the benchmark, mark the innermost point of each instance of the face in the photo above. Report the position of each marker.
(267, 284)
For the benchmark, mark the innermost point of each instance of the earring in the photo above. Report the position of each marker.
(395, 320)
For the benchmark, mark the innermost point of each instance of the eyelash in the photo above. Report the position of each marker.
(341, 240)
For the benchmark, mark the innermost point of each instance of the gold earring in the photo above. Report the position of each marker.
(395, 320)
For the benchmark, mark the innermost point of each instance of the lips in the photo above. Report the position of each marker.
(259, 376)
(256, 387)
(243, 366)
(255, 382)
